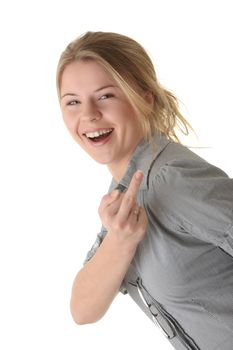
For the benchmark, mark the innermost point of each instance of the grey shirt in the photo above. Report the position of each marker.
(185, 262)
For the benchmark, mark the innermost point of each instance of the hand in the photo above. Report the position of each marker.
(121, 215)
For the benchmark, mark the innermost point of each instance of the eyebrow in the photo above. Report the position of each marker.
(97, 90)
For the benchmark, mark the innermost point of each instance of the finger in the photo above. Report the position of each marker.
(142, 218)
(135, 212)
(136, 209)
(108, 199)
(135, 184)
(130, 196)
(113, 207)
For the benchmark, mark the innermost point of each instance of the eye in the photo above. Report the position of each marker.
(73, 103)
(106, 96)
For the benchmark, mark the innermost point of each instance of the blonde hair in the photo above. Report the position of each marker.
(129, 64)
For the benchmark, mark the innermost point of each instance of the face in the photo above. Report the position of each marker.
(98, 114)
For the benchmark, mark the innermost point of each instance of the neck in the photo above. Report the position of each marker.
(118, 169)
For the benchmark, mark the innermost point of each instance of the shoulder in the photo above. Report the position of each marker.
(177, 163)
(179, 173)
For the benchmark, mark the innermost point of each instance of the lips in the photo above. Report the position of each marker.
(98, 133)
(99, 137)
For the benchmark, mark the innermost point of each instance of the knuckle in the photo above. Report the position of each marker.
(105, 198)
(141, 234)
(129, 199)
(101, 206)
(104, 202)
(127, 227)
(101, 203)
(130, 228)
(117, 226)
(100, 210)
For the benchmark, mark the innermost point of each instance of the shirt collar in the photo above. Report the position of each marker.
(142, 159)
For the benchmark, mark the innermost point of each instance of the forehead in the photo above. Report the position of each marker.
(85, 73)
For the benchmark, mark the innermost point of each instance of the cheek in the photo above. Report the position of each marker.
(132, 118)
(69, 122)
(72, 127)
(131, 113)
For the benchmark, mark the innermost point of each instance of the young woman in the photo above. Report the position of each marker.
(167, 235)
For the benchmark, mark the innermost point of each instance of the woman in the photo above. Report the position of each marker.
(167, 235)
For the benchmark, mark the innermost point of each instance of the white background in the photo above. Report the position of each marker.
(50, 190)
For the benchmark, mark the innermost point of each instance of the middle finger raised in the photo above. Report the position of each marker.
(130, 196)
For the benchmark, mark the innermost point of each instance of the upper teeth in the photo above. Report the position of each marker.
(98, 133)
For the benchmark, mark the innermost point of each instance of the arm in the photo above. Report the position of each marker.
(98, 282)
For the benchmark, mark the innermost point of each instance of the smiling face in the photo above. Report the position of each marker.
(98, 115)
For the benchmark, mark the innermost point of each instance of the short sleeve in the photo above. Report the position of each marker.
(199, 197)
(99, 239)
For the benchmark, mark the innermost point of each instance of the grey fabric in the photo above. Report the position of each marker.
(185, 261)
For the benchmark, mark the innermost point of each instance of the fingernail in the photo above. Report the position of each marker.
(114, 194)
(139, 175)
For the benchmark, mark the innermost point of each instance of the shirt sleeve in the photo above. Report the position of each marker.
(99, 239)
(199, 197)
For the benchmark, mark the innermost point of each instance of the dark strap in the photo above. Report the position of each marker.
(154, 310)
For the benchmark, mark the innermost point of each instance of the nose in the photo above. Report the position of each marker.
(90, 112)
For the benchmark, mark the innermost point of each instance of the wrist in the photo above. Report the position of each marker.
(122, 248)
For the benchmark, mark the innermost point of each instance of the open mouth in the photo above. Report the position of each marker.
(100, 135)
